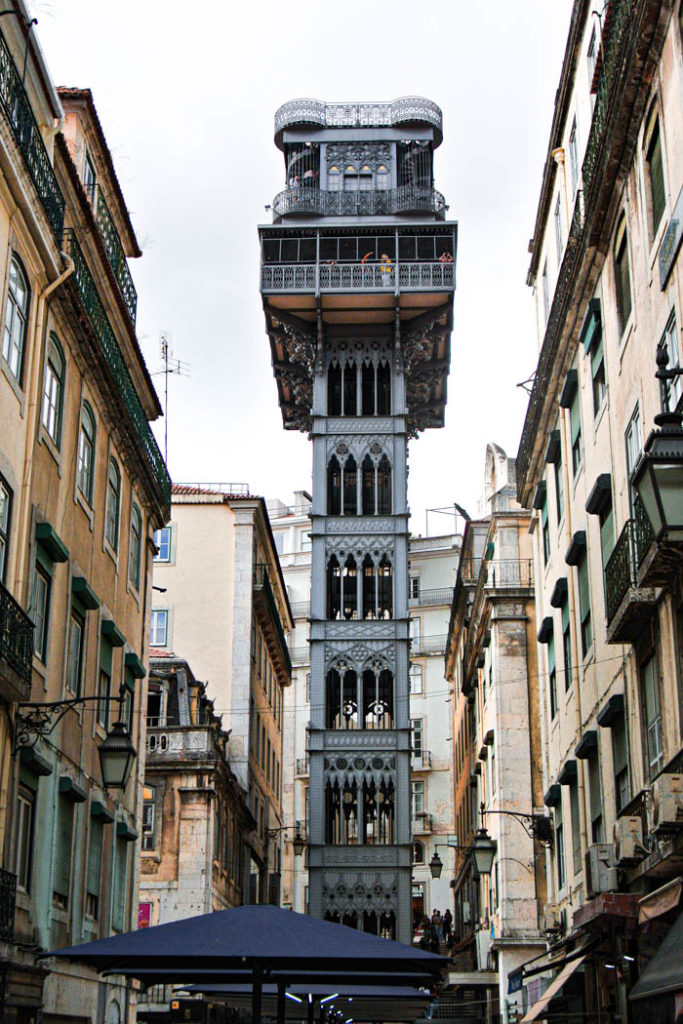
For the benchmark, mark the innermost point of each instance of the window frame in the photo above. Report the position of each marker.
(159, 544)
(655, 191)
(622, 281)
(559, 228)
(54, 380)
(112, 514)
(135, 547)
(85, 465)
(14, 352)
(6, 499)
(155, 612)
(41, 616)
(25, 833)
(78, 619)
(148, 827)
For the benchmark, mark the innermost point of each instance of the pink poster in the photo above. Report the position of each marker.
(144, 915)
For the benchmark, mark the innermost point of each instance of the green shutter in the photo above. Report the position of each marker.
(120, 893)
(619, 745)
(596, 356)
(565, 614)
(576, 825)
(584, 588)
(95, 856)
(551, 654)
(575, 417)
(594, 785)
(106, 656)
(607, 534)
(64, 824)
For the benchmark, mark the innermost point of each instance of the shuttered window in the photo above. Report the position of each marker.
(597, 829)
(94, 867)
(575, 425)
(606, 531)
(559, 846)
(622, 275)
(584, 604)
(552, 677)
(655, 173)
(61, 869)
(566, 645)
(620, 762)
(118, 920)
(576, 825)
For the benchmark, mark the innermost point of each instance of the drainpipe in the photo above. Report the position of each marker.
(571, 596)
(558, 157)
(34, 393)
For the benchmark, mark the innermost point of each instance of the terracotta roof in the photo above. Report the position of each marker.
(160, 652)
(190, 489)
(85, 95)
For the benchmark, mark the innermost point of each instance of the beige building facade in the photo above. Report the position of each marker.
(224, 604)
(83, 487)
(608, 287)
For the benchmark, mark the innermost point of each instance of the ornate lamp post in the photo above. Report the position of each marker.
(483, 850)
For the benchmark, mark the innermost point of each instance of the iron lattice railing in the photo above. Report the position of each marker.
(428, 644)
(355, 277)
(616, 47)
(8, 899)
(444, 595)
(116, 255)
(112, 353)
(25, 129)
(301, 609)
(370, 203)
(621, 571)
(16, 636)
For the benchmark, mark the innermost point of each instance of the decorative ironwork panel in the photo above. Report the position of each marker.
(359, 656)
(355, 115)
(303, 111)
(17, 109)
(16, 637)
(104, 333)
(349, 856)
(361, 203)
(8, 899)
(355, 525)
(116, 255)
(620, 572)
(362, 740)
(370, 767)
(357, 893)
(359, 425)
(644, 534)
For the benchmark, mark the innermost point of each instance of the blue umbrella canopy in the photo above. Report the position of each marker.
(259, 937)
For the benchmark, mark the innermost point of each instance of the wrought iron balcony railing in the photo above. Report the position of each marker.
(437, 596)
(421, 761)
(374, 202)
(8, 899)
(357, 277)
(116, 255)
(421, 823)
(16, 646)
(92, 305)
(17, 109)
(428, 645)
(301, 609)
(262, 584)
(302, 766)
(621, 571)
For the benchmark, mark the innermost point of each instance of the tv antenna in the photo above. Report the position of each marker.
(169, 365)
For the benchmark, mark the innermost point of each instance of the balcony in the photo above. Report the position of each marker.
(372, 203)
(628, 606)
(17, 109)
(428, 645)
(301, 609)
(302, 767)
(300, 655)
(8, 898)
(421, 762)
(412, 276)
(92, 305)
(421, 824)
(16, 649)
(115, 254)
(438, 596)
(265, 603)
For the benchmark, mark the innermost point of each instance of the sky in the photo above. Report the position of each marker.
(186, 94)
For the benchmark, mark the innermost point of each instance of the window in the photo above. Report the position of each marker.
(62, 856)
(552, 677)
(418, 853)
(104, 681)
(158, 633)
(416, 632)
(669, 342)
(40, 607)
(417, 735)
(606, 516)
(415, 678)
(414, 588)
(566, 644)
(135, 547)
(162, 542)
(417, 799)
(5, 510)
(576, 825)
(118, 919)
(559, 486)
(649, 674)
(573, 158)
(592, 58)
(575, 429)
(94, 869)
(545, 291)
(16, 318)
(622, 787)
(149, 797)
(559, 231)
(545, 527)
(654, 175)
(74, 663)
(559, 847)
(634, 446)
(597, 357)
(305, 540)
(622, 275)
(113, 512)
(86, 453)
(89, 177)
(53, 390)
(584, 603)
(595, 793)
(25, 822)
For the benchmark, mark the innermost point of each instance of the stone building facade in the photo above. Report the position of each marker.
(196, 822)
(83, 487)
(491, 659)
(225, 605)
(608, 287)
(357, 281)
(433, 568)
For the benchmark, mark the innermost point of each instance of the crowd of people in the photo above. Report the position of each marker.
(435, 932)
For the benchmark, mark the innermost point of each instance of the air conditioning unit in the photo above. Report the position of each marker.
(628, 841)
(666, 805)
(601, 875)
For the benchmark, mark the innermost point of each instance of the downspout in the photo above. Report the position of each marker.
(571, 596)
(33, 412)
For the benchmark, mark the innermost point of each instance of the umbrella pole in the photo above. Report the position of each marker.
(281, 987)
(256, 984)
(310, 1008)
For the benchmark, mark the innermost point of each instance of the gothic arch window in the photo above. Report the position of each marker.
(382, 178)
(378, 699)
(341, 705)
(334, 389)
(333, 487)
(346, 381)
(350, 495)
(334, 179)
(418, 852)
(350, 589)
(333, 589)
(376, 487)
(385, 602)
(342, 487)
(359, 815)
(369, 595)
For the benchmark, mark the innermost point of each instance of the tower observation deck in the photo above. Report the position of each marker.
(357, 281)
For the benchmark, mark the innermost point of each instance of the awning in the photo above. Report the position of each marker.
(666, 898)
(664, 973)
(553, 988)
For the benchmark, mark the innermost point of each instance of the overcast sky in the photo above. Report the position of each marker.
(186, 95)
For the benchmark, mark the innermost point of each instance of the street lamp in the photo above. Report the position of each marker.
(483, 850)
(657, 474)
(117, 754)
(298, 842)
(538, 826)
